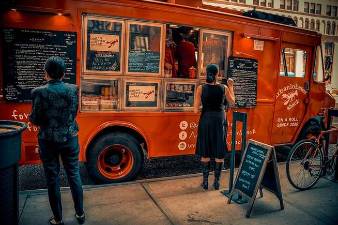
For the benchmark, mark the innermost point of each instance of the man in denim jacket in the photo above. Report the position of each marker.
(54, 110)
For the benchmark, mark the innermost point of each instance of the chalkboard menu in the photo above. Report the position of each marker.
(258, 170)
(252, 164)
(147, 62)
(103, 45)
(144, 49)
(244, 72)
(25, 53)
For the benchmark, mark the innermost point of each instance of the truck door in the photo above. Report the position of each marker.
(292, 92)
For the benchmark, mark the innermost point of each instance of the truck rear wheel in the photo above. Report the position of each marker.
(114, 157)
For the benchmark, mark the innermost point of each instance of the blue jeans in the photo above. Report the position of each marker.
(50, 153)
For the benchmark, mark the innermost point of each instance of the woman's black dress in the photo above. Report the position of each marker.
(212, 126)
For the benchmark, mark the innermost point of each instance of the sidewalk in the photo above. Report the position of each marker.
(182, 201)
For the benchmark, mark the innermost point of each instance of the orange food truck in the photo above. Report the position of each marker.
(137, 83)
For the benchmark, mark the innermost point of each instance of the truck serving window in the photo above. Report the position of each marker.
(181, 51)
(103, 44)
(215, 49)
(293, 62)
(144, 44)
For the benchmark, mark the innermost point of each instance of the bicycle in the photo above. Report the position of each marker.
(311, 158)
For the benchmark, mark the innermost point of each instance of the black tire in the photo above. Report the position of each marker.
(107, 153)
(309, 163)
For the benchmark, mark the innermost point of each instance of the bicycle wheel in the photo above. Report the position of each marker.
(304, 165)
(331, 163)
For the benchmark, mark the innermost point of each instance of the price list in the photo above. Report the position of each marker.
(251, 169)
(26, 53)
(244, 72)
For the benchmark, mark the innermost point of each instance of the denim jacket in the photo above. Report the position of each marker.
(54, 110)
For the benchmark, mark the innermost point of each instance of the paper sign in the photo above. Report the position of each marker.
(104, 42)
(141, 93)
(258, 45)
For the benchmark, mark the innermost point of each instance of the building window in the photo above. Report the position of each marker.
(289, 4)
(242, 1)
(328, 10)
(306, 7)
(317, 25)
(312, 8)
(323, 27)
(263, 2)
(234, 0)
(295, 5)
(328, 28)
(306, 23)
(312, 24)
(318, 9)
(282, 4)
(270, 3)
(256, 2)
(301, 22)
(333, 28)
(334, 11)
(328, 59)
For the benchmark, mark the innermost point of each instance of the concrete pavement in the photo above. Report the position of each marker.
(180, 201)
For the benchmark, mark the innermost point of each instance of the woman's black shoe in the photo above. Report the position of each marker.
(205, 171)
(218, 171)
(80, 219)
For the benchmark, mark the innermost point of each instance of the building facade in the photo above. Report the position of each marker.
(316, 15)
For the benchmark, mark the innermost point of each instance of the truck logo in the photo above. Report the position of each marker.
(290, 95)
(290, 99)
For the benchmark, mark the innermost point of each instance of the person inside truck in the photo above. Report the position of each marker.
(185, 53)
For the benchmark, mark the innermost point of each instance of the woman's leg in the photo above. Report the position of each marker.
(205, 170)
(218, 171)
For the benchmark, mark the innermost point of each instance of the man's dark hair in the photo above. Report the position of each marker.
(55, 67)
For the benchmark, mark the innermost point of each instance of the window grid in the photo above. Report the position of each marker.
(306, 7)
(312, 8)
(263, 2)
(295, 5)
(328, 10)
(334, 11)
(270, 3)
(318, 9)
(289, 4)
(282, 4)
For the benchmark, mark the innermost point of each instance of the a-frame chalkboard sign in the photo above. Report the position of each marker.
(258, 169)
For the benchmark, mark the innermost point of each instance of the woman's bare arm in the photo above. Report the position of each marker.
(229, 92)
(197, 102)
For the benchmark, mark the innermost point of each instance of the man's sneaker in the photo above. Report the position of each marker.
(53, 221)
(80, 219)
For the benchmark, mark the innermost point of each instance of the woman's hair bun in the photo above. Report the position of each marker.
(212, 70)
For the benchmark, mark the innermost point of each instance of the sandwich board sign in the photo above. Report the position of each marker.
(258, 169)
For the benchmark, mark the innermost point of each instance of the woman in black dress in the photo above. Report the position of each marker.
(212, 127)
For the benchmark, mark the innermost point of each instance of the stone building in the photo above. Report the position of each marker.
(316, 15)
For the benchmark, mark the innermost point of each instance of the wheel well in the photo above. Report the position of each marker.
(122, 129)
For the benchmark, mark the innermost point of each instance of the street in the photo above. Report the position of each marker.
(32, 177)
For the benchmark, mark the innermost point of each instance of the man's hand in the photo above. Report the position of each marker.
(230, 83)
